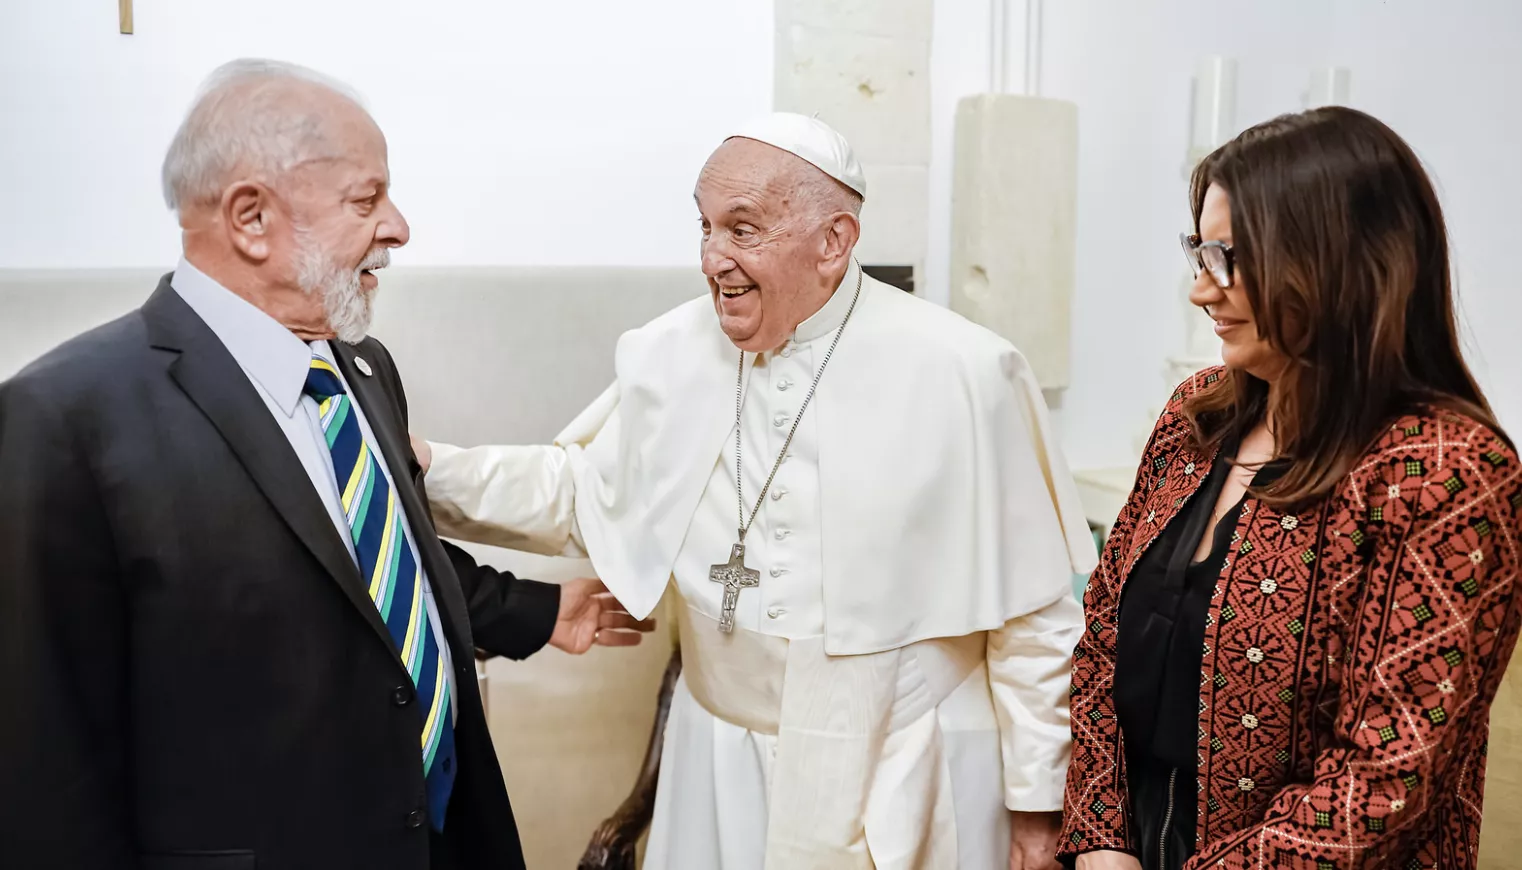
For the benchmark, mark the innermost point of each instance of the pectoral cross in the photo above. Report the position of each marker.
(735, 576)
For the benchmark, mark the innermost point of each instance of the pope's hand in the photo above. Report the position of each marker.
(422, 451)
(590, 615)
(1107, 860)
(1033, 841)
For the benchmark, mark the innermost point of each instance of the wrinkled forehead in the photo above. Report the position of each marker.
(762, 176)
(349, 129)
(349, 148)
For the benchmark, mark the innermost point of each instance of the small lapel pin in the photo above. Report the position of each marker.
(364, 367)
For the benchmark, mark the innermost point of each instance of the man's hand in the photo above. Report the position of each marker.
(422, 451)
(590, 615)
(1107, 860)
(1033, 841)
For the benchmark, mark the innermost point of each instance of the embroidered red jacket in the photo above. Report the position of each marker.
(1352, 652)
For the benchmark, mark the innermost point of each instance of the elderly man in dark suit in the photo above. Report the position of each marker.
(229, 633)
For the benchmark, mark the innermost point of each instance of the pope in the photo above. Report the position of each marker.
(867, 525)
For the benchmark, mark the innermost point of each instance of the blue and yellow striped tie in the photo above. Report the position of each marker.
(391, 569)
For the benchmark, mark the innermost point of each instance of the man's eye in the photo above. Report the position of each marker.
(743, 232)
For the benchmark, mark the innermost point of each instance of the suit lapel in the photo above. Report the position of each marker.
(209, 375)
(386, 425)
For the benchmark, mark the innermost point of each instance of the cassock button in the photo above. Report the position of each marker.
(775, 612)
(778, 493)
(787, 350)
(781, 534)
(415, 819)
(778, 571)
(401, 696)
(779, 420)
(784, 385)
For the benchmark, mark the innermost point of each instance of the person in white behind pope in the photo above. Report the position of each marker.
(869, 527)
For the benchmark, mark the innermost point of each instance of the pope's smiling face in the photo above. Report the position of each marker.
(769, 248)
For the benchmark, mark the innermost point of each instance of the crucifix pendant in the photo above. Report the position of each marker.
(735, 576)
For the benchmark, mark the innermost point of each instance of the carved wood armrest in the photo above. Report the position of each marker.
(612, 844)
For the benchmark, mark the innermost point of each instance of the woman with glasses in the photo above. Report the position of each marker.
(1305, 608)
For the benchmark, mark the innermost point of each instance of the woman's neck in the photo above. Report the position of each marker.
(1270, 406)
(1259, 443)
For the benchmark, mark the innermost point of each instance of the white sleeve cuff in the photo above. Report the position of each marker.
(1029, 674)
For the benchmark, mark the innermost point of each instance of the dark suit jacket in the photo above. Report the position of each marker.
(192, 675)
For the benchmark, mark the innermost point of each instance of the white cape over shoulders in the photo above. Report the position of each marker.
(940, 475)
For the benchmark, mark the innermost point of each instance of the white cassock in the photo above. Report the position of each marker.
(900, 675)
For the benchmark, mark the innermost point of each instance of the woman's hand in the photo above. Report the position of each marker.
(1033, 841)
(1107, 860)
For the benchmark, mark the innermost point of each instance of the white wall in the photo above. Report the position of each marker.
(570, 133)
(520, 133)
(1451, 83)
(1445, 76)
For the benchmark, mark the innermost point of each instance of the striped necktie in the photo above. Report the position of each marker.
(391, 570)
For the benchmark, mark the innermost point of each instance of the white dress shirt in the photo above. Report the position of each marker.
(276, 363)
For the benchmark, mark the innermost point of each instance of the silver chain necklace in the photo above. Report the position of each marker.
(734, 574)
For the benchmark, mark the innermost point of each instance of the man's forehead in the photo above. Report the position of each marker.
(733, 206)
(740, 155)
(741, 179)
(371, 175)
(350, 173)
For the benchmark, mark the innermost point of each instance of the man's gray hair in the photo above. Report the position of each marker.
(243, 117)
(823, 194)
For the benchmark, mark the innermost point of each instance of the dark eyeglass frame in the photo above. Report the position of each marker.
(1213, 256)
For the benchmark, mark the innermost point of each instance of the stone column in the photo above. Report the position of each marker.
(864, 67)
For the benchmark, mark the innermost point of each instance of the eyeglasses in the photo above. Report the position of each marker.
(1214, 257)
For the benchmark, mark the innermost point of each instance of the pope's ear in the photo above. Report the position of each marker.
(841, 236)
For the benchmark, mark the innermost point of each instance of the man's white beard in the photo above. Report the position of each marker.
(343, 296)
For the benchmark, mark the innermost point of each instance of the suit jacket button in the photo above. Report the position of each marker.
(415, 819)
(401, 696)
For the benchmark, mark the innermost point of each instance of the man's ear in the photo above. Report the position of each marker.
(248, 213)
(841, 236)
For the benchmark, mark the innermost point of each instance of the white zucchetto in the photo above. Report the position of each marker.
(811, 139)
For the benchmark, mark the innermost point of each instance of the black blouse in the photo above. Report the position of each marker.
(1163, 607)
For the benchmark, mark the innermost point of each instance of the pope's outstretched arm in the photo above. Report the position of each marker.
(522, 497)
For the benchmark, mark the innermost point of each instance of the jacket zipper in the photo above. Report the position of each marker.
(1162, 837)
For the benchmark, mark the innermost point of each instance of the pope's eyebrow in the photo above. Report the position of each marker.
(740, 207)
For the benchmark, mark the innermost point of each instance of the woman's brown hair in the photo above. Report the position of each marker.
(1340, 247)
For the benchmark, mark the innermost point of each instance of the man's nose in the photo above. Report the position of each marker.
(716, 259)
(393, 231)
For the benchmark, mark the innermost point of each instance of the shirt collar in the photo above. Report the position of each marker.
(271, 355)
(833, 313)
